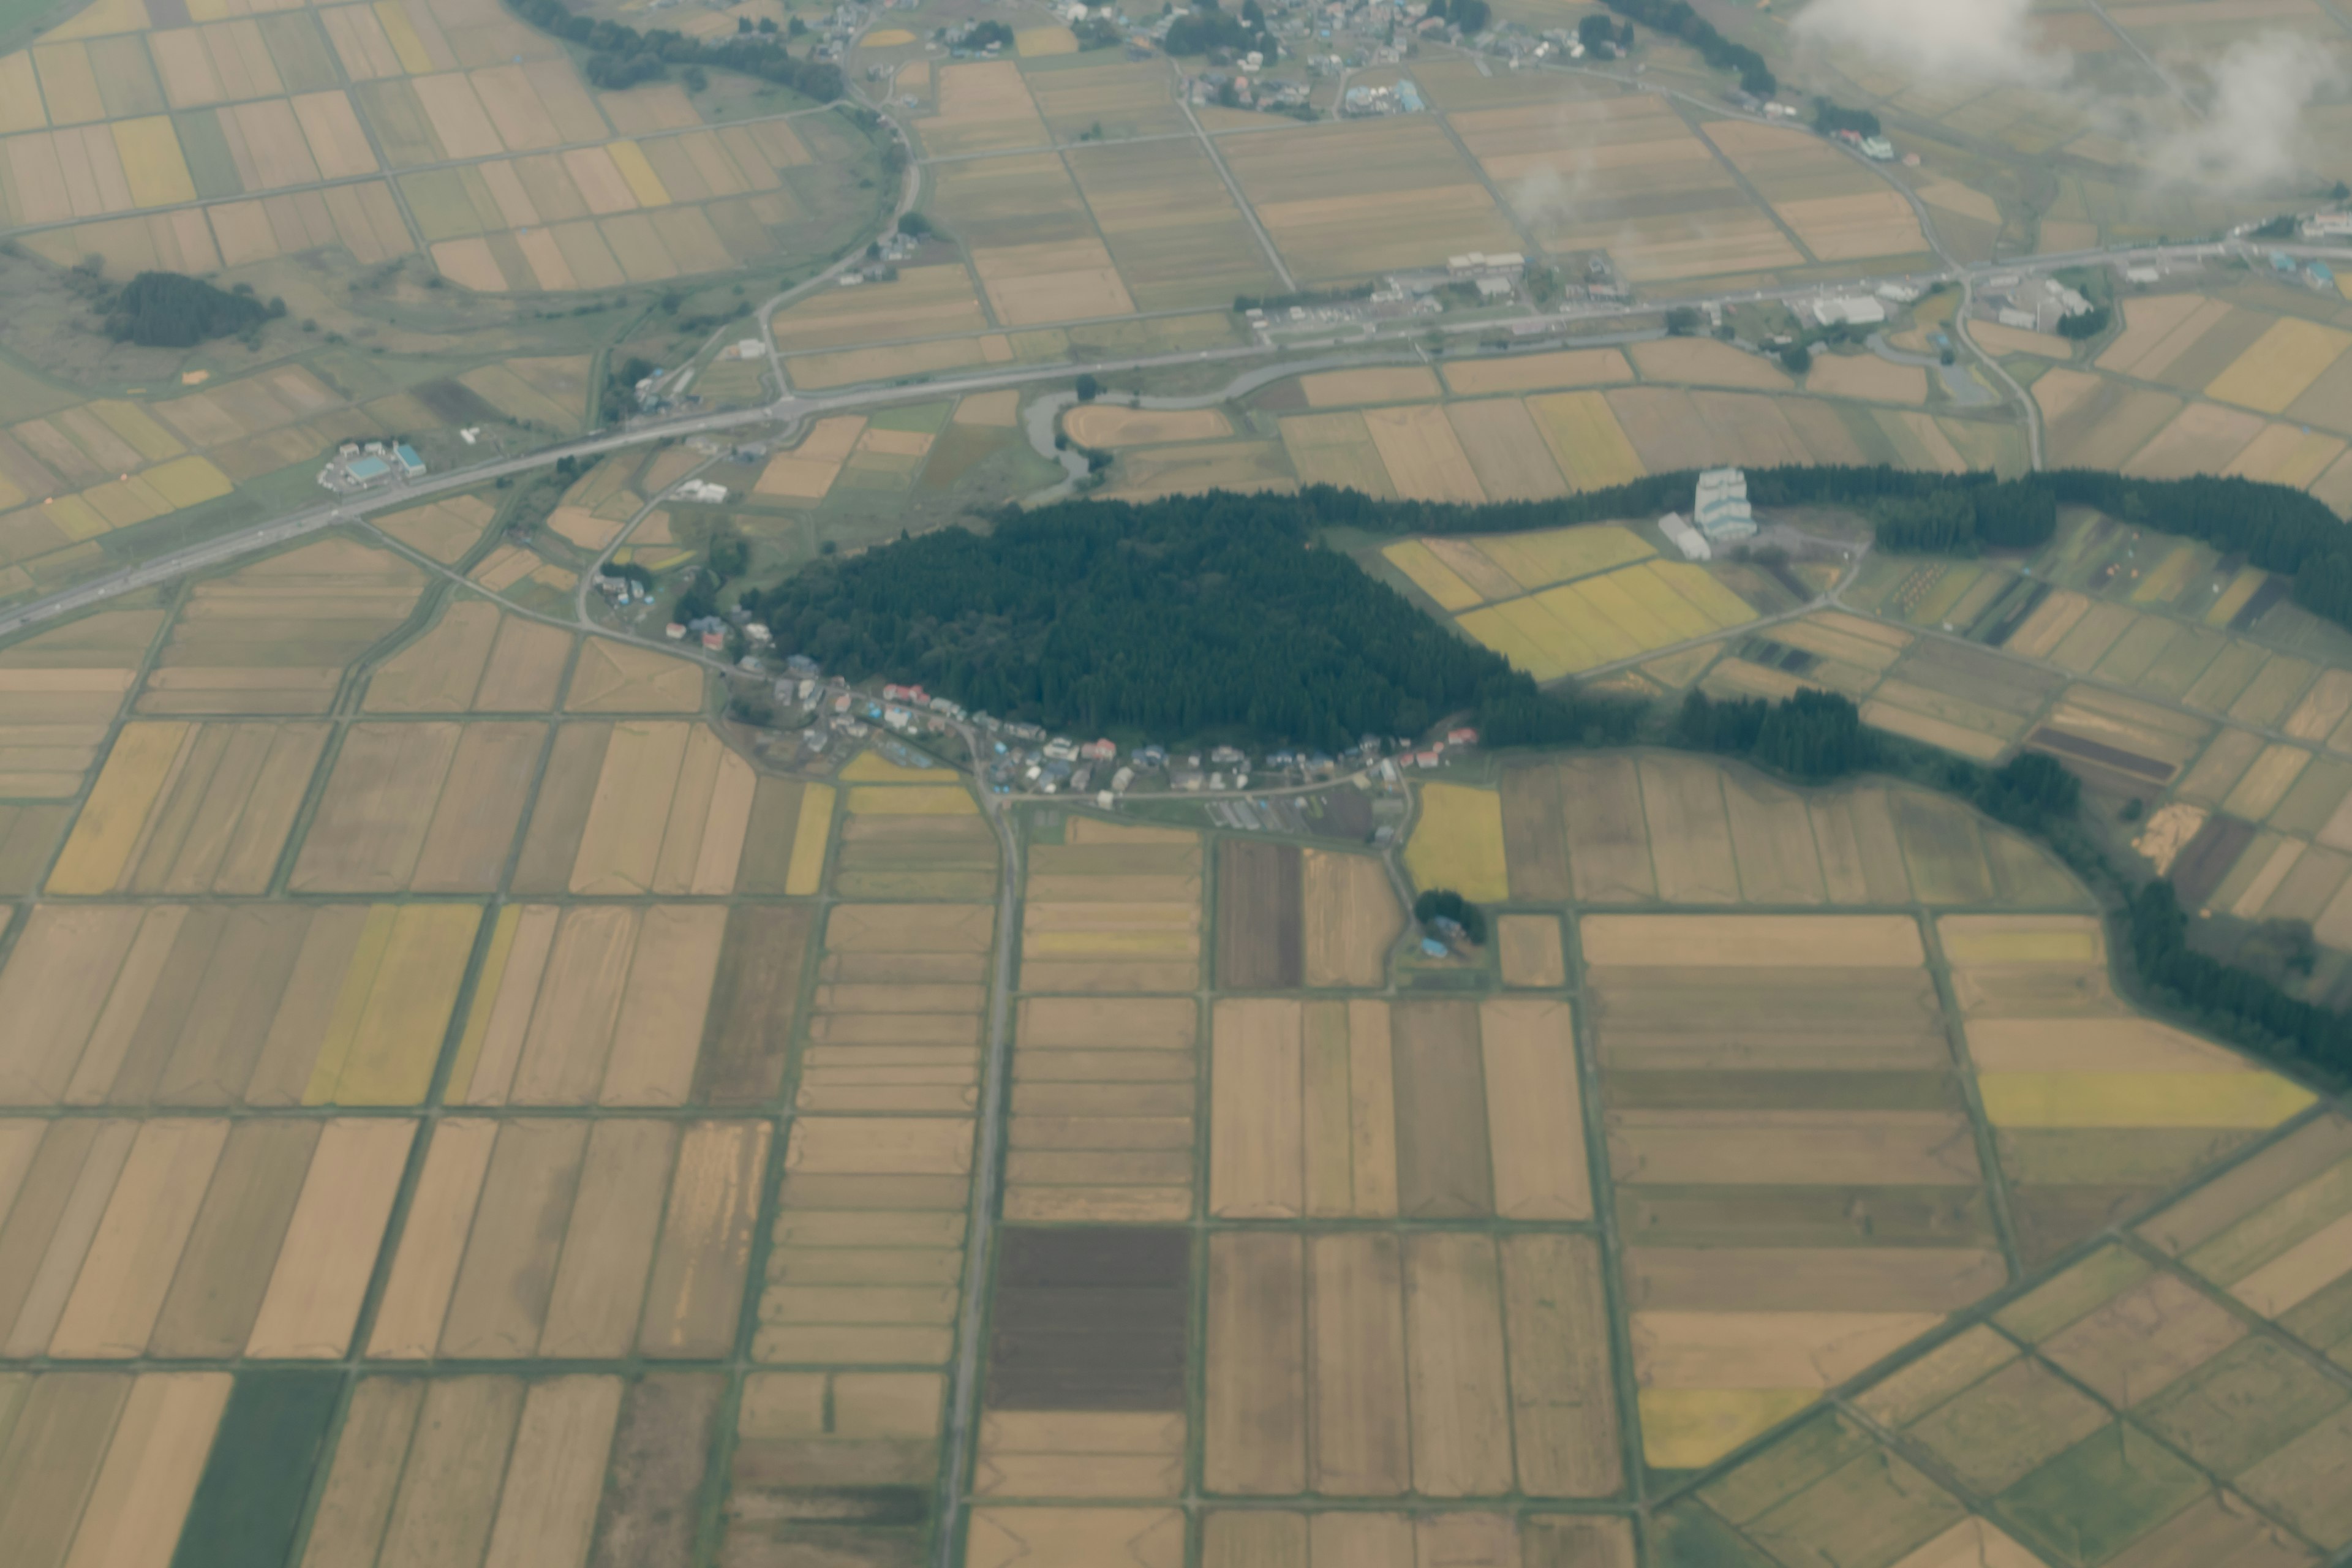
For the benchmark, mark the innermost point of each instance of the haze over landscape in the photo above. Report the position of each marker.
(1188, 784)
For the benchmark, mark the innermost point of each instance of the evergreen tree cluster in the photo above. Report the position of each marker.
(2085, 324)
(1813, 735)
(2031, 792)
(1833, 117)
(1470, 16)
(1956, 520)
(170, 311)
(620, 57)
(2236, 1004)
(1205, 27)
(1445, 904)
(1677, 18)
(1175, 618)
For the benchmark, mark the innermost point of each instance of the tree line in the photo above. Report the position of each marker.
(1677, 19)
(620, 57)
(2010, 515)
(2274, 527)
(1816, 736)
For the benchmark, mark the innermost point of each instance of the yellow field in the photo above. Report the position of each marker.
(1560, 554)
(810, 835)
(2247, 1100)
(1607, 618)
(1100, 424)
(1684, 1428)
(2281, 365)
(1458, 843)
(394, 1007)
(1585, 438)
(922, 800)
(110, 821)
(1431, 576)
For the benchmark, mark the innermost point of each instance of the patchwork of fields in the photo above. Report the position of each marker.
(445, 127)
(2219, 383)
(1564, 421)
(518, 1127)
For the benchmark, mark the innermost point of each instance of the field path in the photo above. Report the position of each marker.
(988, 1179)
(1265, 240)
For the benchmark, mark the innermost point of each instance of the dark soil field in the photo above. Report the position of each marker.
(1091, 1317)
(1260, 939)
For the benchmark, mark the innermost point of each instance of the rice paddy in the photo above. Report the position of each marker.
(703, 1054)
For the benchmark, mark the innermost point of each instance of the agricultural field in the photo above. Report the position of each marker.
(454, 131)
(404, 186)
(2250, 379)
(1570, 420)
(599, 1112)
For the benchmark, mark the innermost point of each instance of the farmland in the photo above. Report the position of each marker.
(464, 1101)
(438, 1000)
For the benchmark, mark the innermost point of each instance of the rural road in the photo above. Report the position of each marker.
(792, 407)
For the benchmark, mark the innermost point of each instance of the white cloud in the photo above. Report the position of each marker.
(2251, 133)
(1980, 40)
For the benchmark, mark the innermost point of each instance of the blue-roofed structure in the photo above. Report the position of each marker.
(411, 465)
(367, 470)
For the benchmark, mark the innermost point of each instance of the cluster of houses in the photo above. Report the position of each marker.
(1011, 756)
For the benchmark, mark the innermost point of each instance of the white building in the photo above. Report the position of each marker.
(1854, 310)
(1684, 538)
(1721, 507)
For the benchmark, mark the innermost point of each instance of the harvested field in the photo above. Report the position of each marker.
(1101, 424)
(321, 1005)
(1704, 362)
(1103, 1117)
(1528, 950)
(1351, 921)
(501, 1258)
(1868, 377)
(592, 1005)
(147, 1263)
(1260, 915)
(1537, 372)
(1348, 1399)
(476, 659)
(190, 808)
(2094, 1107)
(433, 806)
(868, 1242)
(907, 1048)
(273, 638)
(1350, 388)
(1357, 1109)
(1840, 1222)
(1090, 1319)
(1352, 200)
(1424, 457)
(641, 806)
(1113, 909)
